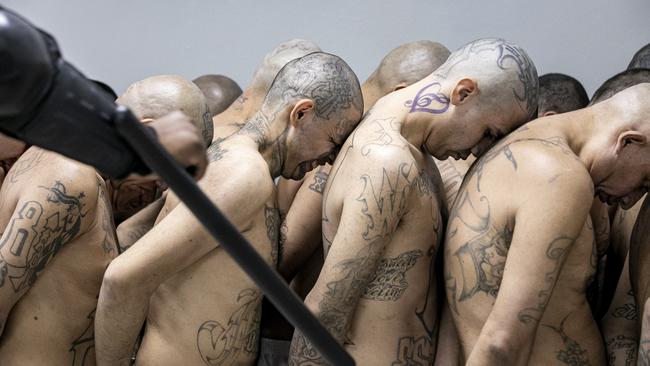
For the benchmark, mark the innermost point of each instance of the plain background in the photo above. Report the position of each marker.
(121, 41)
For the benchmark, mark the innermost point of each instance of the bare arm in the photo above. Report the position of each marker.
(534, 261)
(45, 219)
(371, 211)
(137, 225)
(619, 324)
(178, 241)
(303, 223)
(644, 343)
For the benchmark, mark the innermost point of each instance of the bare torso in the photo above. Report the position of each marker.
(209, 312)
(52, 324)
(478, 240)
(395, 319)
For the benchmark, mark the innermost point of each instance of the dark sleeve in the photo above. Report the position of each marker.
(45, 101)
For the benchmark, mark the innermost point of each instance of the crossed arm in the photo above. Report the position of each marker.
(371, 212)
(178, 241)
(547, 221)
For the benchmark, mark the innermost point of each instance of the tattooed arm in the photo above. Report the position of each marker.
(131, 230)
(174, 244)
(45, 219)
(548, 218)
(619, 324)
(644, 343)
(372, 209)
(303, 223)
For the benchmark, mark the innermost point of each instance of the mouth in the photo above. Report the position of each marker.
(625, 202)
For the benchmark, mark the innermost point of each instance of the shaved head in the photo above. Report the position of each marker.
(324, 78)
(219, 91)
(619, 82)
(409, 63)
(559, 93)
(277, 58)
(641, 58)
(506, 76)
(160, 95)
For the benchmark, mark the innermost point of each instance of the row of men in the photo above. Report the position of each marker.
(526, 271)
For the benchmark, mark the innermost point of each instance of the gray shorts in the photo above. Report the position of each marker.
(273, 352)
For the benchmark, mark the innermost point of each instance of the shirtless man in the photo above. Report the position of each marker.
(382, 204)
(520, 252)
(302, 255)
(249, 102)
(199, 306)
(149, 99)
(641, 58)
(220, 91)
(58, 238)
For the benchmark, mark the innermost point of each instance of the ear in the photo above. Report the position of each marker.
(629, 138)
(399, 86)
(549, 113)
(464, 89)
(301, 110)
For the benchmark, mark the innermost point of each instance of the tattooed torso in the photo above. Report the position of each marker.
(209, 313)
(55, 268)
(394, 321)
(478, 238)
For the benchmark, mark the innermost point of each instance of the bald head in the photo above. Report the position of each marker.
(641, 58)
(219, 91)
(324, 78)
(506, 76)
(277, 58)
(559, 93)
(620, 82)
(160, 95)
(407, 64)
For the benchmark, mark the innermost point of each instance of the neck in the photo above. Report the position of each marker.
(268, 132)
(370, 93)
(420, 112)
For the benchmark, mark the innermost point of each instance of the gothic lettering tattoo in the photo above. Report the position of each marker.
(429, 99)
(384, 129)
(413, 351)
(627, 311)
(31, 239)
(573, 354)
(389, 282)
(83, 347)
(219, 345)
(215, 151)
(556, 253)
(273, 221)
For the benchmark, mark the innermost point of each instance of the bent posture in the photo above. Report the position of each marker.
(199, 306)
(383, 203)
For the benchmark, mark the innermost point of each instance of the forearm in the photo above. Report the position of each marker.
(118, 320)
(500, 347)
(139, 224)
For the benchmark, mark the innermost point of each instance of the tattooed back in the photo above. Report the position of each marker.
(382, 223)
(520, 252)
(58, 238)
(208, 313)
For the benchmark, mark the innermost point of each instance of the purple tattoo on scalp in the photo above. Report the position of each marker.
(426, 96)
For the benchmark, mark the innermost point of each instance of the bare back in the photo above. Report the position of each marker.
(395, 317)
(488, 211)
(64, 204)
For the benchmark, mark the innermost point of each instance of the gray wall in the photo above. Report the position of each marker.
(122, 41)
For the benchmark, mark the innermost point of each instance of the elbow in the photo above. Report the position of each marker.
(118, 283)
(504, 348)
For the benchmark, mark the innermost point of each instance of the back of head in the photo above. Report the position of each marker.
(506, 76)
(219, 90)
(559, 93)
(157, 96)
(277, 58)
(324, 78)
(619, 82)
(408, 64)
(641, 58)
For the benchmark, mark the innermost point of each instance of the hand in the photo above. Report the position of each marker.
(183, 141)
